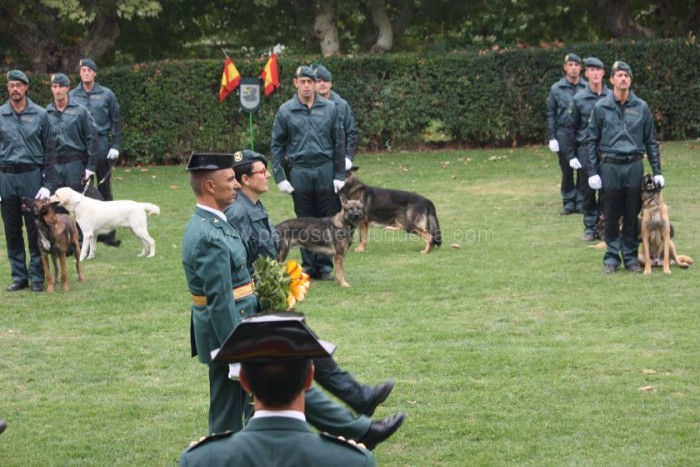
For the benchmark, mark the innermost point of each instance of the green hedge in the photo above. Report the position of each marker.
(492, 98)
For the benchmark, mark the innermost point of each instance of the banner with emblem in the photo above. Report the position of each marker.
(249, 91)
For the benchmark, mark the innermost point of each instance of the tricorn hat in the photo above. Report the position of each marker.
(209, 161)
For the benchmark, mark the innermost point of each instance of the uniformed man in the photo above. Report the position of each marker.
(104, 108)
(621, 129)
(324, 83)
(75, 134)
(580, 111)
(27, 169)
(214, 259)
(307, 135)
(251, 219)
(275, 352)
(561, 133)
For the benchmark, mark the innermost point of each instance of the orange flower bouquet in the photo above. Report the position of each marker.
(279, 286)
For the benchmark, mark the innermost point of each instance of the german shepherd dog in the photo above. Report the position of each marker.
(657, 245)
(57, 232)
(328, 235)
(394, 209)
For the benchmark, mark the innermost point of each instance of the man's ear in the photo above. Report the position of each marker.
(309, 378)
(244, 381)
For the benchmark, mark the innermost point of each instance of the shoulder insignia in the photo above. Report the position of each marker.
(207, 439)
(342, 441)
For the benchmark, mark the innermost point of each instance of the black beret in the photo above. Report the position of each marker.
(618, 65)
(247, 156)
(572, 58)
(16, 75)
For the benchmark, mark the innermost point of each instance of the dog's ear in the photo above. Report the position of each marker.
(343, 199)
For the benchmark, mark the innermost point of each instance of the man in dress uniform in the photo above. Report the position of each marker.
(275, 352)
(27, 169)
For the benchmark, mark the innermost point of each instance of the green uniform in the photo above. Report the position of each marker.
(260, 237)
(311, 141)
(618, 136)
(214, 259)
(580, 111)
(276, 441)
(76, 143)
(348, 119)
(27, 162)
(559, 127)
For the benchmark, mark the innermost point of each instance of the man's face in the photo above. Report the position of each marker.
(594, 75)
(87, 74)
(225, 187)
(621, 80)
(323, 87)
(258, 178)
(16, 90)
(60, 92)
(305, 87)
(572, 70)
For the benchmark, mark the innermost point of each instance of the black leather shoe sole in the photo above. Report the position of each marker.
(379, 395)
(382, 430)
(15, 286)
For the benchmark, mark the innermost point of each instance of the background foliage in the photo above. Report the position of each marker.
(491, 98)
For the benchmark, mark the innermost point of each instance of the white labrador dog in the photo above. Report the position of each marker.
(100, 217)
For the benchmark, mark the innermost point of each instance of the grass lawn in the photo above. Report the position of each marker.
(511, 349)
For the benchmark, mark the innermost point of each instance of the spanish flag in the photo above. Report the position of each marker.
(229, 80)
(270, 76)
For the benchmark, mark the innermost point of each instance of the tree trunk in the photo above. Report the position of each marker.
(385, 34)
(326, 28)
(619, 21)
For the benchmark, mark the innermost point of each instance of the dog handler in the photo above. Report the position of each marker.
(622, 129)
(27, 169)
(308, 136)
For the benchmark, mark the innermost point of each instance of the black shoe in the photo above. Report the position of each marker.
(17, 285)
(114, 243)
(380, 431)
(566, 212)
(3, 425)
(326, 276)
(609, 269)
(37, 286)
(588, 237)
(633, 268)
(379, 395)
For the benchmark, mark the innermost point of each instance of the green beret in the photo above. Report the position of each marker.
(60, 78)
(572, 58)
(305, 72)
(16, 75)
(593, 62)
(247, 157)
(200, 161)
(270, 337)
(322, 73)
(88, 63)
(618, 65)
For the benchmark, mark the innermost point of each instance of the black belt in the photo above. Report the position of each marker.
(621, 160)
(67, 159)
(17, 168)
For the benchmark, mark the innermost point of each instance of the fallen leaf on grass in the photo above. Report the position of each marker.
(174, 187)
(648, 388)
(456, 246)
(649, 371)
(145, 170)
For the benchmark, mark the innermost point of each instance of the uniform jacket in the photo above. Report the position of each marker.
(560, 96)
(27, 139)
(307, 136)
(75, 132)
(104, 108)
(621, 131)
(275, 441)
(215, 262)
(256, 229)
(581, 108)
(348, 119)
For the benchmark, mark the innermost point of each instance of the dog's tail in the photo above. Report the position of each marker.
(151, 209)
(434, 226)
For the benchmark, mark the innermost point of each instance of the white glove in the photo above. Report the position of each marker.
(554, 145)
(348, 164)
(659, 180)
(113, 154)
(88, 173)
(234, 371)
(43, 193)
(574, 164)
(338, 185)
(285, 187)
(595, 182)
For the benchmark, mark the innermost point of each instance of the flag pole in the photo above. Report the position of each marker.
(252, 134)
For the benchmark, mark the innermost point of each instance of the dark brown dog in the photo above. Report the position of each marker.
(656, 230)
(327, 235)
(56, 233)
(394, 209)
